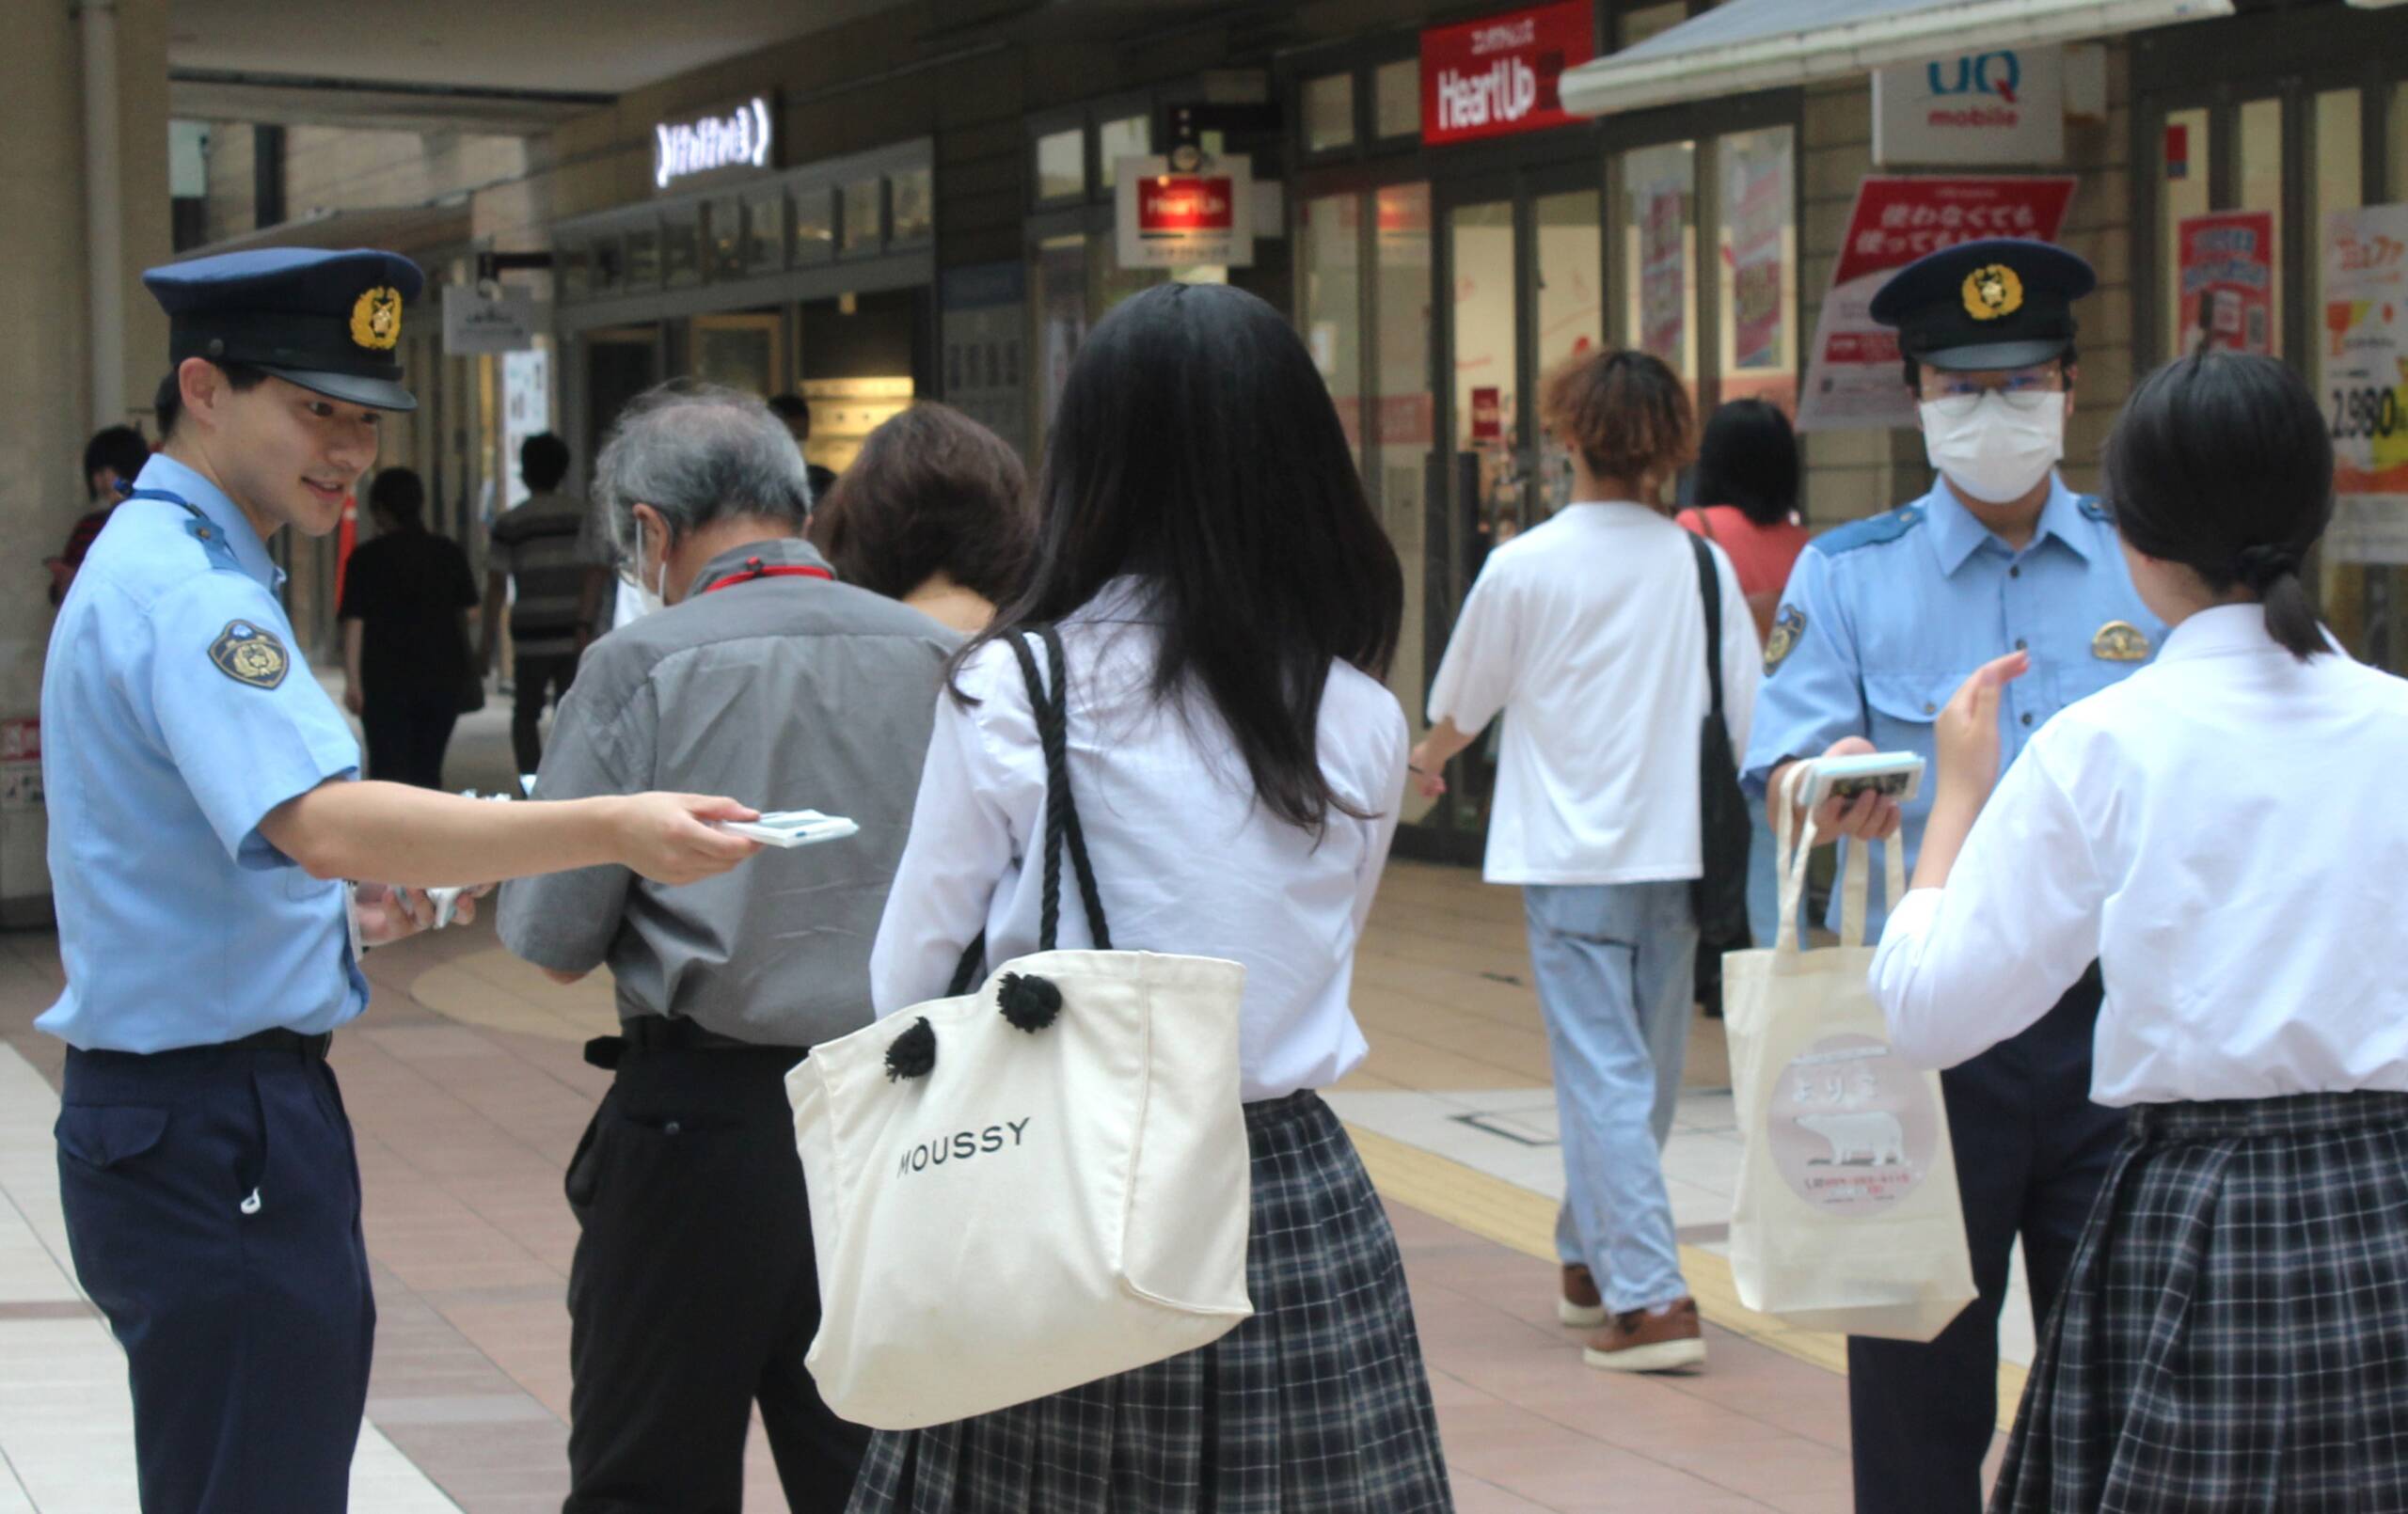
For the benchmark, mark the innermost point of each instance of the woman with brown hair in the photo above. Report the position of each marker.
(935, 511)
(1588, 633)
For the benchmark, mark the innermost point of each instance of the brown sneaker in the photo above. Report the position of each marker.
(1580, 1305)
(1640, 1342)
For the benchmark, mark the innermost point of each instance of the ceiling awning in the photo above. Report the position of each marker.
(404, 228)
(1744, 45)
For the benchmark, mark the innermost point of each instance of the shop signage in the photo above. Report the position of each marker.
(1852, 373)
(1498, 76)
(2365, 334)
(1184, 219)
(526, 411)
(1487, 415)
(475, 323)
(2228, 298)
(2005, 105)
(721, 142)
(1756, 200)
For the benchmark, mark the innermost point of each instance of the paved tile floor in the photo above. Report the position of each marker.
(468, 1093)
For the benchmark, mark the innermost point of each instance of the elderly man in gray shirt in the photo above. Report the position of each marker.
(693, 1292)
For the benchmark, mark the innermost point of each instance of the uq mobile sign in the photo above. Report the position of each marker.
(719, 143)
(1498, 76)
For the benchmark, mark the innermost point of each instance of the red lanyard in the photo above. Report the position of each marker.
(755, 568)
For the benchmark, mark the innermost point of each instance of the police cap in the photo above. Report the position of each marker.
(329, 322)
(2004, 302)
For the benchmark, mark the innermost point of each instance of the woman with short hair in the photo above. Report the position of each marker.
(935, 512)
(1589, 634)
(1228, 604)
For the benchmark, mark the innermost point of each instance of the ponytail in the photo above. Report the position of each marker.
(2272, 574)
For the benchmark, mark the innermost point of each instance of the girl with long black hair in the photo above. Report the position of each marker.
(1228, 603)
(2222, 833)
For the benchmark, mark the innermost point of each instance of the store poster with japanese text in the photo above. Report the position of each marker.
(1853, 379)
(2365, 391)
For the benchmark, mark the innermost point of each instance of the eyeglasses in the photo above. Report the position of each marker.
(1960, 397)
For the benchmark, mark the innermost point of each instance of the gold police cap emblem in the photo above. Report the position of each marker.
(1992, 290)
(376, 318)
(249, 654)
(2120, 641)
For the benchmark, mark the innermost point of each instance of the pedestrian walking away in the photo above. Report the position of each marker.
(405, 600)
(1882, 621)
(202, 818)
(2223, 834)
(552, 572)
(762, 676)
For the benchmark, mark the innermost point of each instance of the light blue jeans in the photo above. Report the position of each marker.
(1616, 966)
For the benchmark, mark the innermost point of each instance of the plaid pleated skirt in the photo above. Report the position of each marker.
(2234, 1332)
(1319, 1404)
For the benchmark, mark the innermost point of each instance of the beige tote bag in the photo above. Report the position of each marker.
(1847, 1216)
(1029, 1187)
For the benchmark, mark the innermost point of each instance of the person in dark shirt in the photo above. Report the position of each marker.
(111, 458)
(406, 603)
(796, 412)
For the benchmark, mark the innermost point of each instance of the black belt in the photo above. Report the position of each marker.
(312, 1047)
(657, 1032)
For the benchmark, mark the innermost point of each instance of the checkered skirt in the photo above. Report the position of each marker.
(2234, 1333)
(1319, 1404)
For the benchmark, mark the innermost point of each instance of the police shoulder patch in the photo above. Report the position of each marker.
(2094, 508)
(1786, 629)
(251, 654)
(1872, 531)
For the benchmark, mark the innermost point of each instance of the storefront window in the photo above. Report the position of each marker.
(1757, 311)
(727, 221)
(1333, 234)
(1060, 300)
(1396, 99)
(644, 257)
(573, 261)
(1401, 433)
(609, 265)
(815, 225)
(1329, 112)
(2182, 192)
(740, 350)
(865, 217)
(1571, 311)
(1062, 166)
(2339, 165)
(681, 250)
(765, 241)
(2261, 189)
(915, 193)
(1130, 137)
(1659, 251)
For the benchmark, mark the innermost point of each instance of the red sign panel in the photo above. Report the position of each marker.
(2229, 281)
(1899, 220)
(1176, 205)
(1498, 76)
(1487, 416)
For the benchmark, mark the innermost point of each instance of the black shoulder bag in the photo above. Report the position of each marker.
(1720, 892)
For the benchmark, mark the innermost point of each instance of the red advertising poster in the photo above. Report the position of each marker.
(1487, 415)
(2229, 281)
(1175, 205)
(1852, 373)
(1495, 76)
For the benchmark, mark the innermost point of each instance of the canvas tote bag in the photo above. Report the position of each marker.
(1847, 1216)
(1033, 1184)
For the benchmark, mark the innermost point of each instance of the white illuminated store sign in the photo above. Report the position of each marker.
(738, 140)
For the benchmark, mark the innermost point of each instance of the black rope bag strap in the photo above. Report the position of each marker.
(1050, 705)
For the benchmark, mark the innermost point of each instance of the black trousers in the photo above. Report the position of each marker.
(2032, 1151)
(407, 731)
(212, 1209)
(693, 1294)
(535, 681)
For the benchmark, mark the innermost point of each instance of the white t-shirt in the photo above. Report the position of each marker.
(1186, 861)
(2224, 833)
(1589, 634)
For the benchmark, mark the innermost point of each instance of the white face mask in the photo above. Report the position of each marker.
(1996, 452)
(646, 597)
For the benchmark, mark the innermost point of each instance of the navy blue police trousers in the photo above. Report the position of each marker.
(213, 1207)
(2032, 1151)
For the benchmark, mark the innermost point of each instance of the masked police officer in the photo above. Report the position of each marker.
(203, 816)
(1882, 620)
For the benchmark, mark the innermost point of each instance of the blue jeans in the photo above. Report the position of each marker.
(1616, 967)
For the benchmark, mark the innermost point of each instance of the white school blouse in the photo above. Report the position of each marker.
(2227, 832)
(1185, 859)
(1588, 633)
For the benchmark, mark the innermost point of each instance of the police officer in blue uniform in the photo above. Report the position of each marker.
(203, 815)
(1881, 621)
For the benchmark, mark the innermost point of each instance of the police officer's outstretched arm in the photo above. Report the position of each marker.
(1812, 703)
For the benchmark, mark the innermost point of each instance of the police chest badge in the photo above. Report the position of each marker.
(2119, 641)
(1784, 641)
(376, 318)
(1992, 290)
(249, 654)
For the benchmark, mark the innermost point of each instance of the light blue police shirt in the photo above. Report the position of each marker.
(1885, 618)
(176, 712)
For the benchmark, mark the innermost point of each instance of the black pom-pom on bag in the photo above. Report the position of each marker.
(913, 1054)
(1028, 1002)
